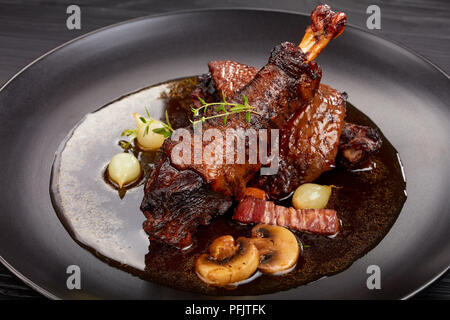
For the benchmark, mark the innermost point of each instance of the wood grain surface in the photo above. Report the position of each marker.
(30, 28)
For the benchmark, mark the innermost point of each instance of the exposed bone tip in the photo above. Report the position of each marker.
(339, 22)
(326, 20)
(325, 25)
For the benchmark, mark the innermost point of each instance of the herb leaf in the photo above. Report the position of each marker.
(247, 116)
(245, 100)
(167, 121)
(127, 133)
(163, 131)
(223, 97)
(221, 108)
(202, 101)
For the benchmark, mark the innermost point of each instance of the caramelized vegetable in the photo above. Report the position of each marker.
(255, 193)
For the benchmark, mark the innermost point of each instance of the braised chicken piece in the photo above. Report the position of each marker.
(356, 143)
(285, 85)
(172, 203)
(280, 88)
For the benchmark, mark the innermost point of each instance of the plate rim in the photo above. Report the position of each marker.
(50, 295)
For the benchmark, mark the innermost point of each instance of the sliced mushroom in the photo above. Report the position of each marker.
(278, 247)
(228, 261)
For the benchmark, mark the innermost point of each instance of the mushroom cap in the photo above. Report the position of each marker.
(242, 263)
(223, 248)
(277, 246)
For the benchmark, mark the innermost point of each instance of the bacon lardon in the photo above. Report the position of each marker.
(318, 221)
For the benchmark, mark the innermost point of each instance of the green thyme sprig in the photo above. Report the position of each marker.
(225, 108)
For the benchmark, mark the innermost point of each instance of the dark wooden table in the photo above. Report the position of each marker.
(30, 28)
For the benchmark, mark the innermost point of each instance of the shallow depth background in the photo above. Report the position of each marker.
(30, 28)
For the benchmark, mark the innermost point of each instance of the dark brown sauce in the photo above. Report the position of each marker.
(367, 202)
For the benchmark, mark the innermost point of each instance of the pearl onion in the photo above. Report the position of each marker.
(124, 168)
(150, 141)
(311, 196)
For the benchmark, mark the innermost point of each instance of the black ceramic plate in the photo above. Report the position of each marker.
(405, 95)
